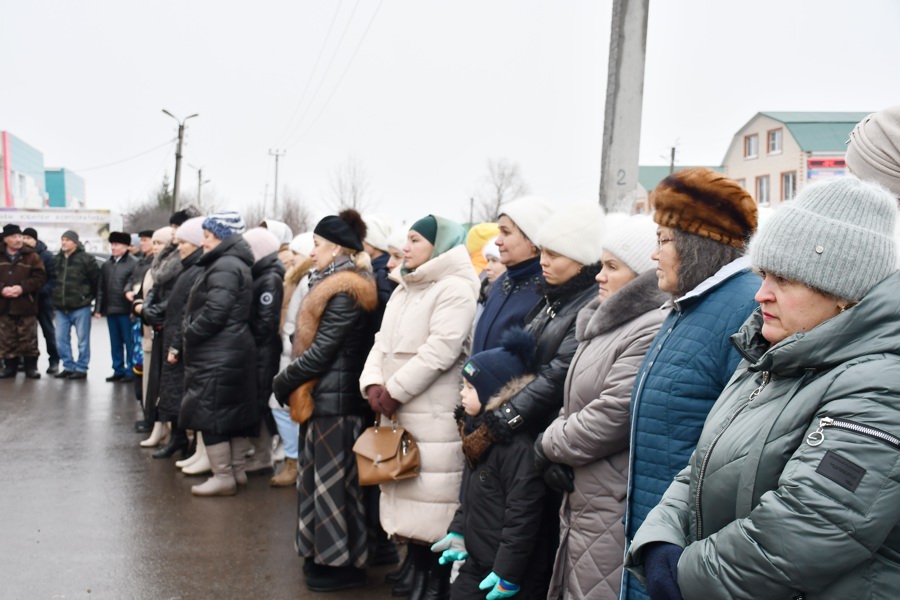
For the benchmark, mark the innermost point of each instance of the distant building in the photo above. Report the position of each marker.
(65, 188)
(649, 177)
(22, 173)
(776, 154)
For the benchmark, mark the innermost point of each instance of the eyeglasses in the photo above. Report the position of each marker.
(660, 242)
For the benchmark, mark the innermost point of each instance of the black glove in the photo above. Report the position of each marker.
(560, 477)
(661, 570)
(541, 462)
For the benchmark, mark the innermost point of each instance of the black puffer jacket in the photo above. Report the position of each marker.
(265, 319)
(552, 323)
(385, 287)
(219, 358)
(171, 385)
(114, 277)
(77, 279)
(331, 344)
(502, 498)
(45, 296)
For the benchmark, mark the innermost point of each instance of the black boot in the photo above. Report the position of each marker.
(31, 368)
(331, 579)
(9, 369)
(404, 572)
(53, 368)
(177, 441)
(438, 587)
(421, 567)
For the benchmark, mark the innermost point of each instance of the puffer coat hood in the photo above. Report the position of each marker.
(794, 488)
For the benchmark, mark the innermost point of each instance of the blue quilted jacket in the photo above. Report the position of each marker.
(687, 366)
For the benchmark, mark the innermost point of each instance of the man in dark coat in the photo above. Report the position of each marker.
(77, 277)
(144, 257)
(22, 275)
(114, 305)
(45, 297)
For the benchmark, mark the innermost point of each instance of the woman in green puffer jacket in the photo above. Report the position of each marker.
(794, 488)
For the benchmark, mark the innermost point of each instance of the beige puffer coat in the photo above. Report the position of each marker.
(417, 356)
(591, 435)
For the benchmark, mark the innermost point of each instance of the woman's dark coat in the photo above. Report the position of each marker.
(171, 387)
(265, 321)
(552, 323)
(332, 341)
(219, 360)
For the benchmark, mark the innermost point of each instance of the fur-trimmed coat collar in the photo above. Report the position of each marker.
(480, 433)
(359, 285)
(638, 296)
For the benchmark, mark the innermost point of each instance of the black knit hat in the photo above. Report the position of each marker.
(11, 229)
(119, 237)
(347, 229)
(30, 232)
(492, 369)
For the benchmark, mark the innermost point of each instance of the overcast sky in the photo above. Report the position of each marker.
(420, 93)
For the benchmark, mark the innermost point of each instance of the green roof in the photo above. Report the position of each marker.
(819, 131)
(649, 176)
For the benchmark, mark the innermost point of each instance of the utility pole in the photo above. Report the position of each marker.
(200, 184)
(624, 97)
(471, 211)
(178, 156)
(277, 154)
(672, 162)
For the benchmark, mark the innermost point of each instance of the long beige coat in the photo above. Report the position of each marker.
(591, 435)
(417, 355)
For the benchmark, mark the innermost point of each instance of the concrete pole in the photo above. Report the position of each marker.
(624, 99)
(177, 186)
(277, 154)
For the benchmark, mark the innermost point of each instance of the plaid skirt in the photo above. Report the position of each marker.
(331, 517)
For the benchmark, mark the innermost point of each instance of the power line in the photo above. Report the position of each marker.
(327, 71)
(338, 84)
(118, 162)
(312, 73)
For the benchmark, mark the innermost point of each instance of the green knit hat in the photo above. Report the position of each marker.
(837, 237)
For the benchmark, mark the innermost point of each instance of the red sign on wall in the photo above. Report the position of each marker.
(825, 163)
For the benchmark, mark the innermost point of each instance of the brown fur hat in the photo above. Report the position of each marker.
(705, 203)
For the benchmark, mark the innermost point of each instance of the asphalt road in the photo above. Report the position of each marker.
(86, 513)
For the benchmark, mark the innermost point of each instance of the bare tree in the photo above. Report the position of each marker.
(502, 183)
(292, 210)
(350, 187)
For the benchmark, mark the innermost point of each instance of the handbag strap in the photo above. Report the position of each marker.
(394, 423)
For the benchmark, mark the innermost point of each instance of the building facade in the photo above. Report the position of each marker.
(776, 154)
(21, 173)
(65, 188)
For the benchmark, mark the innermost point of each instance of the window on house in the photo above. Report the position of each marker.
(762, 190)
(775, 141)
(751, 146)
(788, 185)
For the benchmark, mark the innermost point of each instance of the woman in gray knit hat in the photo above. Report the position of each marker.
(793, 490)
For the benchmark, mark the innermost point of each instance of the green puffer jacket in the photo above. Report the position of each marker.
(778, 501)
(77, 277)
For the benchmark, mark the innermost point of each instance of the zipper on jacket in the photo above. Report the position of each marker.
(818, 436)
(767, 376)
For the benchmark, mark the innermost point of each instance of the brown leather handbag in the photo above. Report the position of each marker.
(386, 453)
(301, 402)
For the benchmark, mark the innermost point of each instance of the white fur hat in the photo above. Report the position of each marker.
(575, 232)
(302, 244)
(281, 230)
(378, 231)
(491, 249)
(529, 213)
(632, 239)
(262, 242)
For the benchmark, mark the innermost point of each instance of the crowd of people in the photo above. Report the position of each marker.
(691, 404)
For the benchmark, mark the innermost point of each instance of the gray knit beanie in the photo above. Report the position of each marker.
(837, 237)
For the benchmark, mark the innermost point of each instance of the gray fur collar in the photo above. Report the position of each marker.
(166, 266)
(637, 297)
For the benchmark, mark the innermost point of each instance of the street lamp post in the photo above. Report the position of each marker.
(178, 156)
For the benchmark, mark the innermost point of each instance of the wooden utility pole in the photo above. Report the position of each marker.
(177, 186)
(624, 98)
